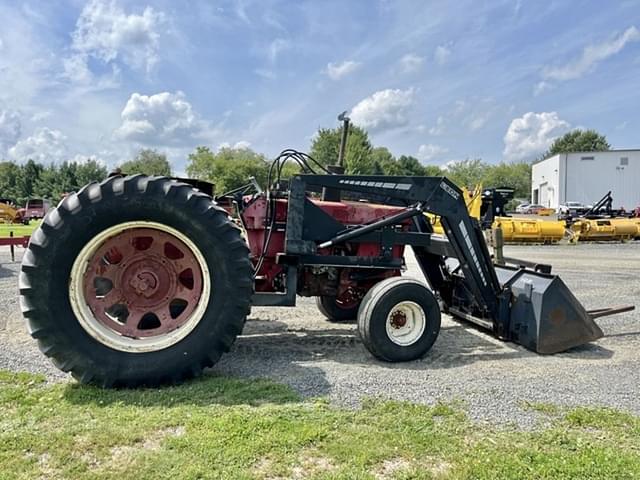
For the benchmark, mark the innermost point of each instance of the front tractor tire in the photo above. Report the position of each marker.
(399, 320)
(136, 281)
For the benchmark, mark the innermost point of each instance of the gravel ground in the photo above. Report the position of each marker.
(492, 379)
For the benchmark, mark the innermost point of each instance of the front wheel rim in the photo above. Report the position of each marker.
(406, 323)
(139, 287)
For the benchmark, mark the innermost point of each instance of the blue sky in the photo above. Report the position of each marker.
(442, 81)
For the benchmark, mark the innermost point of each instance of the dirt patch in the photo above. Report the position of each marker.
(309, 464)
(391, 467)
(123, 455)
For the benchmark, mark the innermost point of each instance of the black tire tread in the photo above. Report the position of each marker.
(369, 303)
(40, 323)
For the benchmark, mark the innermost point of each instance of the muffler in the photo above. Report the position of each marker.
(545, 316)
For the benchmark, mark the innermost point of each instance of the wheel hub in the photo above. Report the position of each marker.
(141, 285)
(144, 283)
(149, 281)
(398, 319)
(406, 323)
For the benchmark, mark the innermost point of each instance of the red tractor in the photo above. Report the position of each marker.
(147, 280)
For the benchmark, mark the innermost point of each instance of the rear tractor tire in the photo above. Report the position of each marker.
(136, 281)
(399, 320)
(337, 311)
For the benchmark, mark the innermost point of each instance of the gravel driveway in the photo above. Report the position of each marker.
(492, 379)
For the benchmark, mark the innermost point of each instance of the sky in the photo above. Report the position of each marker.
(442, 81)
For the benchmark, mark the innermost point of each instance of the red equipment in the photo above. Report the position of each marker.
(146, 280)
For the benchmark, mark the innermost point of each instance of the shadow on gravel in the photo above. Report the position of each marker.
(590, 351)
(270, 351)
(624, 334)
(6, 272)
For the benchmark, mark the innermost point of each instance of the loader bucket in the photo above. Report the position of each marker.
(545, 316)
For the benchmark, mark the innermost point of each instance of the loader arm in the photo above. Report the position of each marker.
(440, 196)
(526, 306)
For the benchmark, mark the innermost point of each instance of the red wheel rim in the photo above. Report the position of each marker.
(142, 282)
(349, 299)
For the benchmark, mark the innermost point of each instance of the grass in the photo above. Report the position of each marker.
(231, 428)
(18, 229)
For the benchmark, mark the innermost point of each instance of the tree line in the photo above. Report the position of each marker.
(20, 182)
(229, 168)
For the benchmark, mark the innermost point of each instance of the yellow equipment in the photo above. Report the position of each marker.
(514, 230)
(606, 229)
(473, 199)
(9, 213)
(546, 212)
(518, 230)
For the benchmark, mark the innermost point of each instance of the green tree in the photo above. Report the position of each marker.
(358, 156)
(10, 175)
(147, 162)
(48, 184)
(433, 171)
(67, 180)
(467, 173)
(411, 166)
(229, 168)
(290, 169)
(515, 175)
(384, 163)
(578, 141)
(29, 175)
(33, 180)
(90, 171)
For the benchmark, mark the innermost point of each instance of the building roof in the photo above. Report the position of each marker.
(619, 150)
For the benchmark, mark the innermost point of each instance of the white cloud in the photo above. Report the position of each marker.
(336, 71)
(276, 47)
(438, 128)
(384, 109)
(161, 119)
(45, 146)
(532, 134)
(473, 113)
(450, 164)
(411, 62)
(541, 87)
(459, 107)
(591, 56)
(26, 58)
(264, 73)
(40, 115)
(76, 69)
(429, 151)
(240, 145)
(10, 129)
(106, 33)
(478, 120)
(442, 54)
(241, 12)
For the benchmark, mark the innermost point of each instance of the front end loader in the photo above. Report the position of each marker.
(147, 280)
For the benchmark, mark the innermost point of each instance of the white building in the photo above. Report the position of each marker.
(586, 177)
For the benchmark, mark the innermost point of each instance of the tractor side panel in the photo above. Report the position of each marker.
(270, 278)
